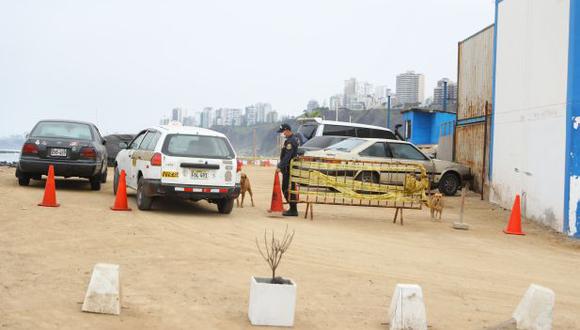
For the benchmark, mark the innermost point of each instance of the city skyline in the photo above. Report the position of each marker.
(88, 61)
(250, 115)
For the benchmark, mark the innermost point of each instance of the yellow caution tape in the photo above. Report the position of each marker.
(327, 181)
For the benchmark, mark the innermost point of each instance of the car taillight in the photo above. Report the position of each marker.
(88, 152)
(29, 149)
(156, 159)
(239, 165)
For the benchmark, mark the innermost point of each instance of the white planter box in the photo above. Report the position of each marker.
(271, 304)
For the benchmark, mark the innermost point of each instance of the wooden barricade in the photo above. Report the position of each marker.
(315, 180)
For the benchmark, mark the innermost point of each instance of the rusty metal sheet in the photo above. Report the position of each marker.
(469, 150)
(474, 74)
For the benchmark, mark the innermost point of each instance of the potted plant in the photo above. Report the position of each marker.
(273, 299)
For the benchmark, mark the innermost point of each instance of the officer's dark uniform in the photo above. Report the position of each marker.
(289, 151)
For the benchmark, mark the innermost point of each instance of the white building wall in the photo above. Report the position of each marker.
(530, 107)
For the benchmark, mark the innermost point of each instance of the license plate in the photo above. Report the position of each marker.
(200, 174)
(170, 174)
(58, 152)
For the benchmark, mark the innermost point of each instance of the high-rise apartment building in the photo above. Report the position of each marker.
(261, 110)
(251, 115)
(177, 115)
(439, 94)
(207, 118)
(272, 116)
(358, 95)
(336, 102)
(410, 88)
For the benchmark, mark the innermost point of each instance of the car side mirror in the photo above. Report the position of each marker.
(27, 135)
(123, 145)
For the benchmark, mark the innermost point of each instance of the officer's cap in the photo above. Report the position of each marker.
(284, 127)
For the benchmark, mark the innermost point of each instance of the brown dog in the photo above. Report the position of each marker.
(245, 187)
(436, 206)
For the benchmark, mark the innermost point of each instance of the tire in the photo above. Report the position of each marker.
(368, 177)
(115, 181)
(225, 206)
(23, 180)
(95, 182)
(104, 176)
(143, 201)
(449, 184)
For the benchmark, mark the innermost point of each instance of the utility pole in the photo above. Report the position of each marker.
(254, 142)
(444, 95)
(388, 111)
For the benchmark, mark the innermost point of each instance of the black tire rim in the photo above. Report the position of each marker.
(450, 184)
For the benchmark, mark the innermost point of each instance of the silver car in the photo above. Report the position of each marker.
(448, 177)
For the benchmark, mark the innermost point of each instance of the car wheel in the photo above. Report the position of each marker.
(95, 182)
(23, 180)
(449, 184)
(368, 177)
(104, 176)
(225, 206)
(115, 181)
(143, 201)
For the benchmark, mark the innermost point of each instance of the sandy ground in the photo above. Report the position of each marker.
(184, 266)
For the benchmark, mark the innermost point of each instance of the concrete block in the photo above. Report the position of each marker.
(271, 304)
(103, 294)
(535, 309)
(407, 311)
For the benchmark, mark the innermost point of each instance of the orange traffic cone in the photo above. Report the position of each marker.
(514, 227)
(49, 199)
(121, 196)
(276, 204)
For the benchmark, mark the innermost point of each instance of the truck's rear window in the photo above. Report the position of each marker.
(63, 130)
(197, 146)
(308, 130)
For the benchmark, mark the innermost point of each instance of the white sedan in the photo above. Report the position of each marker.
(448, 177)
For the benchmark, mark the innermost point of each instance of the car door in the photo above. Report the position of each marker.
(126, 162)
(407, 154)
(377, 152)
(142, 157)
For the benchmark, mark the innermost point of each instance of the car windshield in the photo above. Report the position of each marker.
(64, 130)
(321, 142)
(346, 145)
(197, 146)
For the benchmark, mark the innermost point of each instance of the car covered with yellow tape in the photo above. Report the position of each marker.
(447, 176)
(175, 160)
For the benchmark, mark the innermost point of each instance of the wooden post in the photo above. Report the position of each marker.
(460, 224)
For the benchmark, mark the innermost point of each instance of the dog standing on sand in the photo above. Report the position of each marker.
(245, 186)
(436, 206)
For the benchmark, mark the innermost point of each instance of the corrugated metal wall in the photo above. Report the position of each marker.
(474, 104)
(474, 74)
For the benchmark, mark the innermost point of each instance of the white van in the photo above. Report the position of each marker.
(312, 127)
(188, 162)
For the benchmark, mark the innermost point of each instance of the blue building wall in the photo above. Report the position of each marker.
(425, 126)
(572, 168)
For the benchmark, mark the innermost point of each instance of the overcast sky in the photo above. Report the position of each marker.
(125, 64)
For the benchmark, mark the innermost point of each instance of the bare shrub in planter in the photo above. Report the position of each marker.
(273, 300)
(274, 251)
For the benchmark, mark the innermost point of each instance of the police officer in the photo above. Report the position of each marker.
(289, 151)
